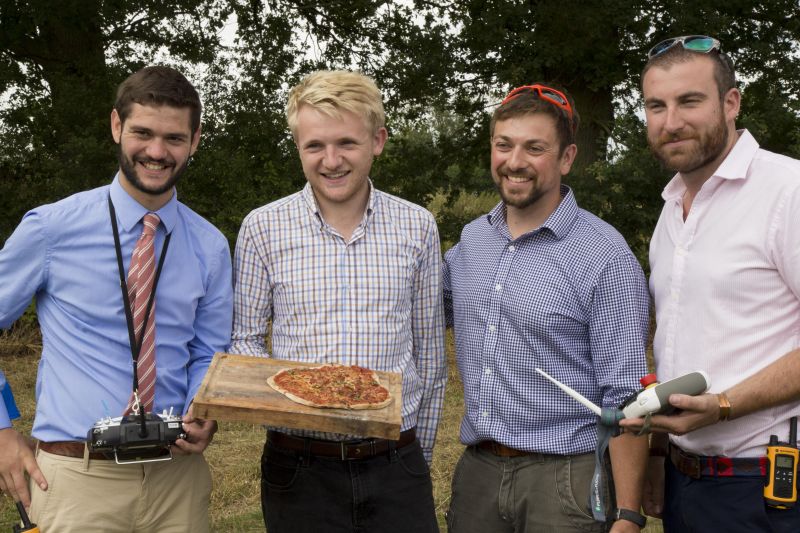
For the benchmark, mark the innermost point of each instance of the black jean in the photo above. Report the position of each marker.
(387, 493)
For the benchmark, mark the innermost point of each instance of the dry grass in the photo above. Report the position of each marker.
(235, 453)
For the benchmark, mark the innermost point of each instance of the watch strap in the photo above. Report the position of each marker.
(630, 516)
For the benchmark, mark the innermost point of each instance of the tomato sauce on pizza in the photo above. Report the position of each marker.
(332, 386)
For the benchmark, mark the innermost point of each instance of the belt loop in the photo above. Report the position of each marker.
(85, 458)
(306, 457)
(343, 448)
(392, 450)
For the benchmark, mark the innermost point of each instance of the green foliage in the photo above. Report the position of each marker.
(58, 71)
(454, 209)
(626, 189)
(442, 66)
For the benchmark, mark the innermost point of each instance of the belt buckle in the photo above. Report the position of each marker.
(691, 464)
(343, 449)
(495, 448)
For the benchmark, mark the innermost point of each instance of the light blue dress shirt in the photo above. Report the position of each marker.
(569, 298)
(63, 254)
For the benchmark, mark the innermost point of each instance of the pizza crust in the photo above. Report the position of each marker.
(271, 381)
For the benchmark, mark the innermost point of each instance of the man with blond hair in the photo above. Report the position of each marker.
(345, 274)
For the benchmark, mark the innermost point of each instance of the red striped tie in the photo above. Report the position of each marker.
(140, 285)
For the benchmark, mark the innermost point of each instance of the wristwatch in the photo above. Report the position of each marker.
(630, 516)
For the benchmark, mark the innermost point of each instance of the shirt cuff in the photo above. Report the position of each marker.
(8, 408)
(5, 420)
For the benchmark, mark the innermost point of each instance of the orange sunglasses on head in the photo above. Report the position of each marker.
(554, 96)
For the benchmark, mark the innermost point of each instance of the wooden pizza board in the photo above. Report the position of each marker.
(235, 389)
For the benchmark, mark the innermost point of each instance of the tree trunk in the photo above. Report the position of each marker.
(596, 111)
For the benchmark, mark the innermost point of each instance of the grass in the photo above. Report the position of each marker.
(234, 456)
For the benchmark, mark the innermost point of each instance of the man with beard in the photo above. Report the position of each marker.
(724, 261)
(73, 256)
(540, 283)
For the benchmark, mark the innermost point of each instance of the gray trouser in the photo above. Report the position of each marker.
(522, 494)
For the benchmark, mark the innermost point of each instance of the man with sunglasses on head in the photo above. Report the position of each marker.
(540, 283)
(724, 261)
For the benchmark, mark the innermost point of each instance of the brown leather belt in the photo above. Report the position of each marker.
(501, 450)
(69, 449)
(344, 450)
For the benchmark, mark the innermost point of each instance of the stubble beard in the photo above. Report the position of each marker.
(516, 201)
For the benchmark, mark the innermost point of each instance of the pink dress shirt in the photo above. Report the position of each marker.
(726, 286)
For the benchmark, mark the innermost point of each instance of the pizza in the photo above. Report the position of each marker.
(332, 386)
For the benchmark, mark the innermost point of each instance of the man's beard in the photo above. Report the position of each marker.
(518, 202)
(710, 144)
(129, 169)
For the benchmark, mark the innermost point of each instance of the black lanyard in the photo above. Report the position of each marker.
(136, 347)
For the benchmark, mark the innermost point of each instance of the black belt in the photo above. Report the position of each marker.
(343, 450)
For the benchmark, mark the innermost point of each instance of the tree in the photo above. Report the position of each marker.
(443, 66)
(58, 71)
(596, 50)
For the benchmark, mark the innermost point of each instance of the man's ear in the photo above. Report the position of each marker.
(116, 126)
(195, 141)
(379, 141)
(731, 103)
(567, 158)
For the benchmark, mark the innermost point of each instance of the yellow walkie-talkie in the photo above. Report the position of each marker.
(780, 489)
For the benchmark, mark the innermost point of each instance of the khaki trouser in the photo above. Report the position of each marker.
(86, 495)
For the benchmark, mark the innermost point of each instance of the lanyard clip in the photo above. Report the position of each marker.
(136, 404)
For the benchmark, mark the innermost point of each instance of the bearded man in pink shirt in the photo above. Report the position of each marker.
(725, 279)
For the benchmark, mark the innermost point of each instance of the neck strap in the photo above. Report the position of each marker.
(136, 346)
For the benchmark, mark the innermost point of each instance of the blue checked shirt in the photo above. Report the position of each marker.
(569, 298)
(375, 301)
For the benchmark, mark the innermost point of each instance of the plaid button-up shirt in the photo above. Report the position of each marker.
(374, 301)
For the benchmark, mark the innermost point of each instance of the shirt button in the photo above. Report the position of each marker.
(498, 287)
(511, 248)
(488, 371)
(492, 327)
(485, 414)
